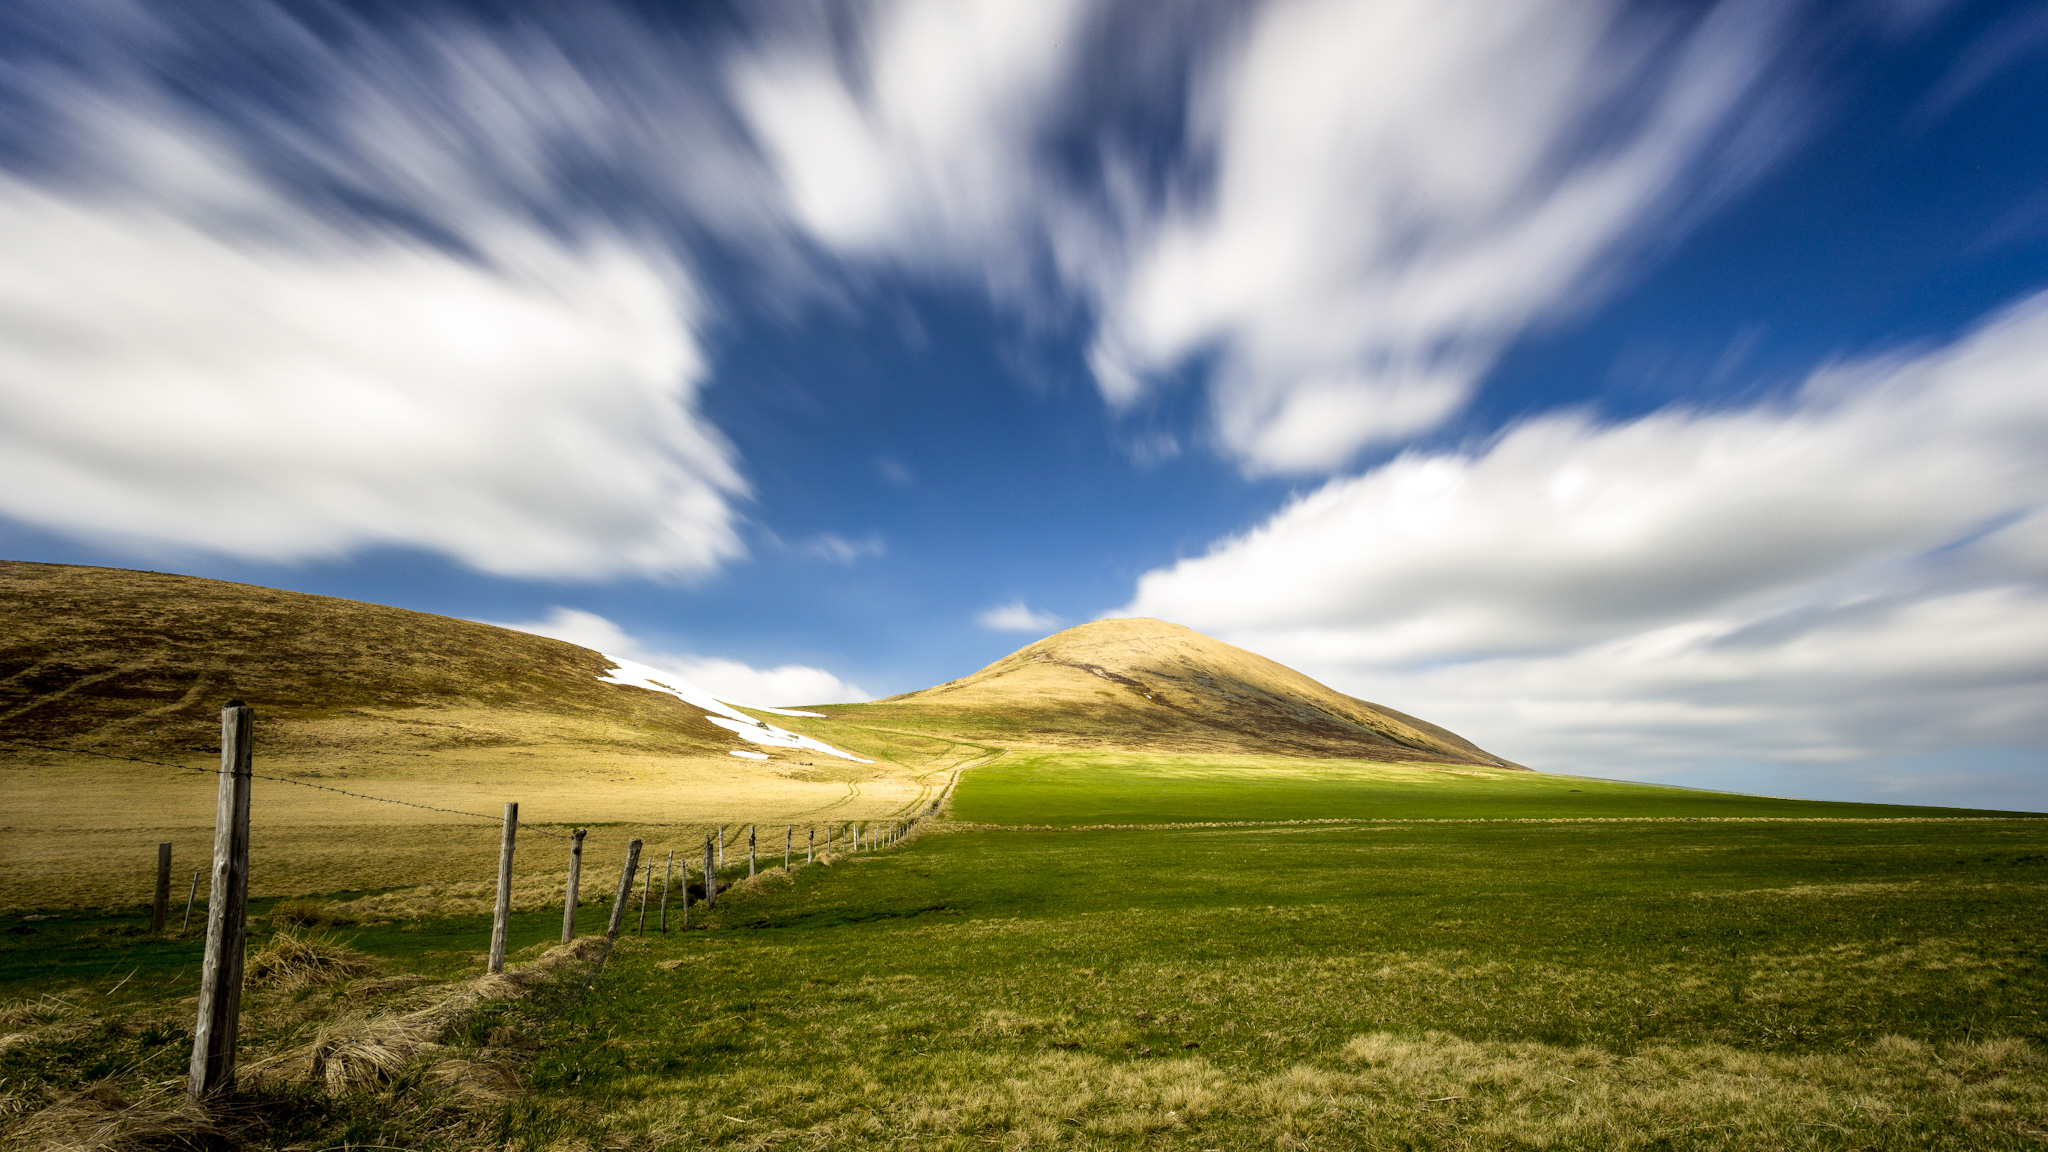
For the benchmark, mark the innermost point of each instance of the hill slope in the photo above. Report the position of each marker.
(140, 662)
(1153, 686)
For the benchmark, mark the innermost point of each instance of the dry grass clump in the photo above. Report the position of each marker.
(102, 1119)
(356, 1051)
(301, 912)
(291, 960)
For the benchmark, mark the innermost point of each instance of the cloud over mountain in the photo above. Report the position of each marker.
(1858, 571)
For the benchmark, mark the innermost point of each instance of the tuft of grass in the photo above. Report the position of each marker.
(292, 959)
(302, 912)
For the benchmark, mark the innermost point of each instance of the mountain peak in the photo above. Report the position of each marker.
(1151, 684)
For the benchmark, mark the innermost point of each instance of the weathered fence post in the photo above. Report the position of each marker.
(811, 846)
(501, 913)
(750, 851)
(642, 929)
(191, 898)
(625, 889)
(721, 845)
(788, 839)
(668, 877)
(575, 884)
(854, 838)
(710, 877)
(227, 907)
(160, 907)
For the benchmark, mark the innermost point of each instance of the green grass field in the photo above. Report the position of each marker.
(1074, 788)
(1613, 981)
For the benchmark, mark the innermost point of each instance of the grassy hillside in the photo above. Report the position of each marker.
(1153, 686)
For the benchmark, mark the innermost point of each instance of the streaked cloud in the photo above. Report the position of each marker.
(1399, 189)
(1017, 616)
(1857, 572)
(730, 680)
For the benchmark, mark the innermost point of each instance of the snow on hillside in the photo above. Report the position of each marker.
(636, 675)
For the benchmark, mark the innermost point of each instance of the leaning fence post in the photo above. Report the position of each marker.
(160, 907)
(501, 914)
(710, 877)
(668, 877)
(227, 907)
(750, 851)
(575, 884)
(191, 898)
(625, 889)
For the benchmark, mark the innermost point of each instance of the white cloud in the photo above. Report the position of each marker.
(1859, 572)
(921, 144)
(732, 680)
(1398, 190)
(1016, 616)
(204, 350)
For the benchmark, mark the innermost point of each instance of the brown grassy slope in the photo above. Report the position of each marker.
(140, 663)
(1153, 686)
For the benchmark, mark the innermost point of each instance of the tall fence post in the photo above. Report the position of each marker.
(750, 851)
(501, 914)
(575, 884)
(625, 889)
(710, 877)
(227, 910)
(788, 841)
(160, 906)
(191, 898)
(668, 877)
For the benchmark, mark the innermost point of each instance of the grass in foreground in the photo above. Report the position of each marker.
(1766, 984)
(1429, 986)
(1074, 788)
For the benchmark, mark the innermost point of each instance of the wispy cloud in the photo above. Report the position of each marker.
(837, 549)
(1858, 572)
(1016, 616)
(731, 680)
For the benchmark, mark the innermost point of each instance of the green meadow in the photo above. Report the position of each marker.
(1421, 960)
(1082, 788)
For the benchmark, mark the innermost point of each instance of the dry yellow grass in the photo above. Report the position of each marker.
(82, 832)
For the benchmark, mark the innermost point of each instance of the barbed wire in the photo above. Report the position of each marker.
(282, 780)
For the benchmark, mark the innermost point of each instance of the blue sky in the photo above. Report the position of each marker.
(1650, 390)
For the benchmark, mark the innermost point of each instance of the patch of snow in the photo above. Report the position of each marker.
(636, 675)
(749, 755)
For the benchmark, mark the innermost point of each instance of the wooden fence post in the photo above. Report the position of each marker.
(227, 909)
(710, 877)
(575, 884)
(625, 889)
(721, 845)
(160, 907)
(668, 877)
(811, 846)
(788, 840)
(750, 851)
(191, 898)
(501, 913)
(642, 929)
